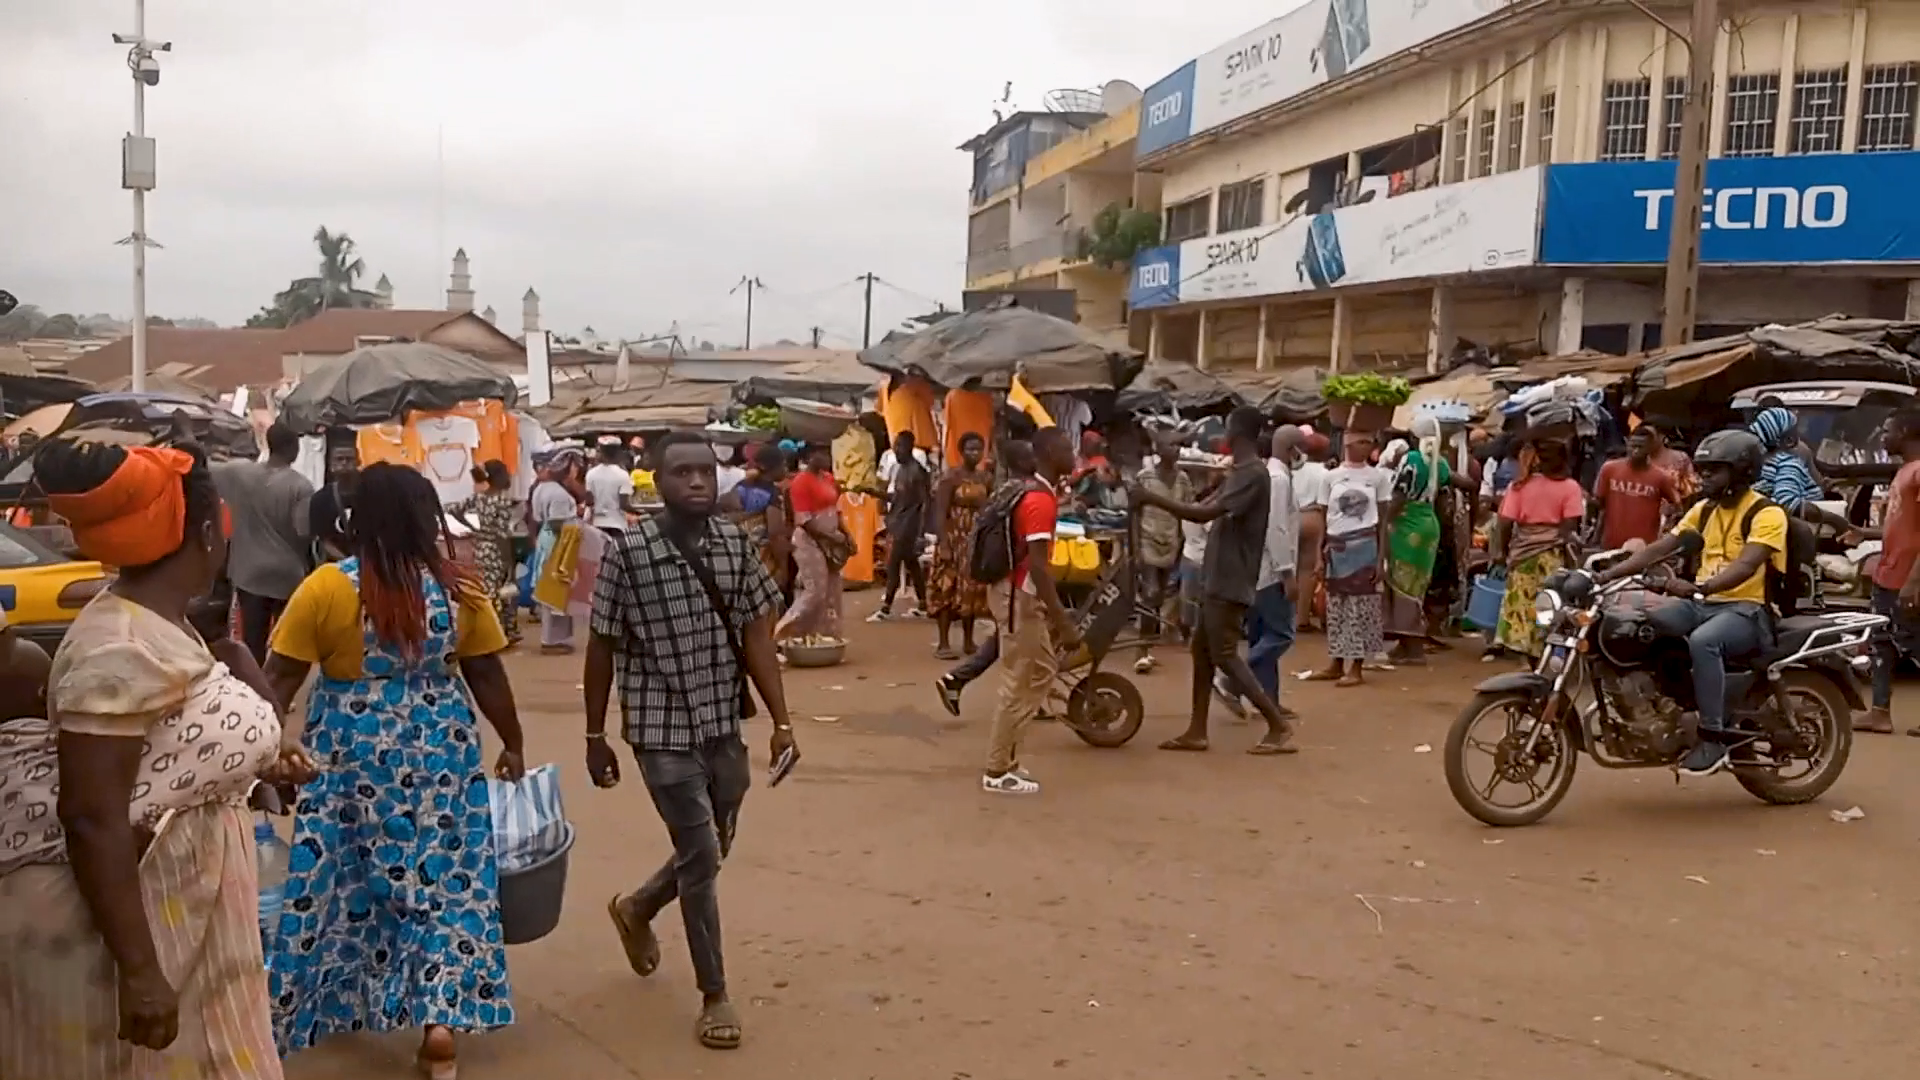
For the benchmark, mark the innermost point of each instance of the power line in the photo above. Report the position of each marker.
(750, 284)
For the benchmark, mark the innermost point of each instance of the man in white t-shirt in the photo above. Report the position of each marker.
(610, 488)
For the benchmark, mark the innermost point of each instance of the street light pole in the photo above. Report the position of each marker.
(139, 217)
(1689, 179)
(137, 174)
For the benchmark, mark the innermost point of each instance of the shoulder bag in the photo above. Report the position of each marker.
(697, 563)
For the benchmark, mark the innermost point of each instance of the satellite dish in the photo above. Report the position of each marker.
(1118, 95)
(1073, 101)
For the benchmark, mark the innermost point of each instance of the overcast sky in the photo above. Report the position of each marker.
(630, 161)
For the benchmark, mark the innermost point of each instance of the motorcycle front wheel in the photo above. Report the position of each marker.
(1820, 712)
(1544, 774)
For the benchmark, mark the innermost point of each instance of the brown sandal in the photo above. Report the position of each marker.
(719, 1026)
(435, 1059)
(641, 944)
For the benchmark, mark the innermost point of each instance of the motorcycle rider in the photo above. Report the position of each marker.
(1727, 615)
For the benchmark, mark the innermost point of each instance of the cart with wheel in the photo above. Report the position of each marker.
(1104, 708)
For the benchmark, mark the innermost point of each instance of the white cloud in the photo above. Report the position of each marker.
(628, 162)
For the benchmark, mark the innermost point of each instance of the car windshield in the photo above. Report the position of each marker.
(1849, 436)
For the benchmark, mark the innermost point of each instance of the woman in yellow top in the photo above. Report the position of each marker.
(129, 898)
(392, 911)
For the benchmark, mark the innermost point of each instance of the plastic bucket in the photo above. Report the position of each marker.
(530, 899)
(1489, 594)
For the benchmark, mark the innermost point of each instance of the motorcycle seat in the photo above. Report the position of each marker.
(1790, 634)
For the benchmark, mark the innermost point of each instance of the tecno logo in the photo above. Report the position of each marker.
(1165, 109)
(1822, 206)
(1155, 275)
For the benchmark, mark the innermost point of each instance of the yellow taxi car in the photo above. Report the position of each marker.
(42, 590)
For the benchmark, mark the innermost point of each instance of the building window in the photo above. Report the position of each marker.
(1547, 102)
(1676, 108)
(1887, 105)
(1186, 220)
(1624, 107)
(1819, 112)
(1483, 142)
(1241, 204)
(1457, 156)
(1516, 135)
(1753, 103)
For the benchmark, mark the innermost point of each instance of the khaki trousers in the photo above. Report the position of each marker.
(1027, 668)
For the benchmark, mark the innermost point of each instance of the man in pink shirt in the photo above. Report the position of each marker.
(1896, 582)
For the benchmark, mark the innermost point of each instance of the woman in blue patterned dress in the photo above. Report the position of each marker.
(392, 914)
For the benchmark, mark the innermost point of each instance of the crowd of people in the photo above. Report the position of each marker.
(130, 943)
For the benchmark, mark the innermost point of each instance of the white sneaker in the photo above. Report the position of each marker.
(1144, 665)
(1012, 782)
(881, 615)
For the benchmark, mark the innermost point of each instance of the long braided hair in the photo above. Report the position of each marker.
(396, 533)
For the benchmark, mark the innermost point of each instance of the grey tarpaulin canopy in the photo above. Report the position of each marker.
(983, 350)
(669, 405)
(383, 382)
(1170, 385)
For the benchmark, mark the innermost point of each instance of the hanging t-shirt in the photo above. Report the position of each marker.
(447, 445)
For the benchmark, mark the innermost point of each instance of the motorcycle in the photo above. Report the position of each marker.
(1615, 683)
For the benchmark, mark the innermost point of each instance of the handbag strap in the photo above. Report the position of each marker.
(702, 570)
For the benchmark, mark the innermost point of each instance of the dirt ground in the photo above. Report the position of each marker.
(1215, 915)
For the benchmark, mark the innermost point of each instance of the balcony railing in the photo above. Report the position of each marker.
(1055, 244)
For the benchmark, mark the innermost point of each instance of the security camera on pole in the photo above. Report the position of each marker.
(137, 173)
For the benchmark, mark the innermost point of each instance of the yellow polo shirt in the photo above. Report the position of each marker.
(1720, 529)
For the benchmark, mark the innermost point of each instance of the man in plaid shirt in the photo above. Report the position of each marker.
(677, 657)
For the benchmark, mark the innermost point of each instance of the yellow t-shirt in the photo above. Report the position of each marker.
(322, 625)
(1721, 532)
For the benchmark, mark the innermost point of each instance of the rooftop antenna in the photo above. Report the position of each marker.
(1005, 104)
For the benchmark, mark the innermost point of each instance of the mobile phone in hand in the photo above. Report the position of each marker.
(782, 765)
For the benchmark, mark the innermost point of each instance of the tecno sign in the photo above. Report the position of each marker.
(1154, 275)
(1821, 206)
(1166, 109)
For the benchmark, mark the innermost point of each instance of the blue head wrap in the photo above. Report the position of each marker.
(1772, 426)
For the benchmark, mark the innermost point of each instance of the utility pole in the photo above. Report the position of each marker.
(748, 283)
(866, 321)
(1690, 178)
(816, 336)
(137, 173)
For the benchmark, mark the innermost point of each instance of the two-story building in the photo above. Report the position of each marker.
(1368, 181)
(1039, 180)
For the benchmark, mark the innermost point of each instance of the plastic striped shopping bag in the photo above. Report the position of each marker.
(529, 821)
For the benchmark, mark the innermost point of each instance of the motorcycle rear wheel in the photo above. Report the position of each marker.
(1563, 759)
(1835, 724)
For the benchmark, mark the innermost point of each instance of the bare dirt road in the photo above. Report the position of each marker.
(1214, 916)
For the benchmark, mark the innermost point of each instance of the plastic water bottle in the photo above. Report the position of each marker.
(271, 855)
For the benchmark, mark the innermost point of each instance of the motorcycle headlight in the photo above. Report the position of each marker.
(1546, 607)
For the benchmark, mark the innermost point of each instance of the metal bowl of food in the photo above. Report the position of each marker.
(814, 652)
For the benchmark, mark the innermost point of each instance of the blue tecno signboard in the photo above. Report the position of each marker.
(1166, 112)
(1822, 208)
(1156, 278)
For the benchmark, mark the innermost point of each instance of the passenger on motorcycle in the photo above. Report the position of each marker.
(1727, 609)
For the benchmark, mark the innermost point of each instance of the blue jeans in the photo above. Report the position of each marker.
(698, 794)
(1902, 636)
(1733, 630)
(1270, 626)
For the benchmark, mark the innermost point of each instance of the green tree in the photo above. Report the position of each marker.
(335, 286)
(1118, 234)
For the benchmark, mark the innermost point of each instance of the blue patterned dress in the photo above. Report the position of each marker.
(392, 914)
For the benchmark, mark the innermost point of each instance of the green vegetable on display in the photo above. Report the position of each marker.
(1366, 389)
(760, 417)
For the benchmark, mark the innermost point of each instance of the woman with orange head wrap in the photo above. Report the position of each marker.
(129, 940)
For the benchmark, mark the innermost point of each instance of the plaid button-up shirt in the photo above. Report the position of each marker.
(678, 681)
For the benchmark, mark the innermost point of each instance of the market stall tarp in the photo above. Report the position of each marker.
(836, 382)
(983, 350)
(1170, 385)
(671, 405)
(1713, 370)
(378, 383)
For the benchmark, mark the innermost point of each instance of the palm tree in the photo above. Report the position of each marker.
(335, 286)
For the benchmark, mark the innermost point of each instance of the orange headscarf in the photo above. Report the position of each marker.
(138, 516)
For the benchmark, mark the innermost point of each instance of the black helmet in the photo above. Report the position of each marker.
(1740, 451)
